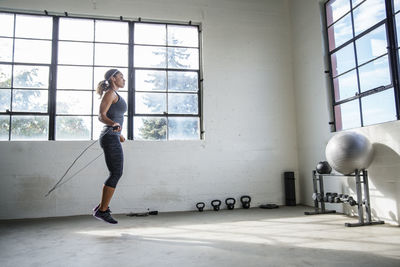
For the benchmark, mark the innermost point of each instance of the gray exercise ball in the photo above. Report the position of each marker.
(348, 151)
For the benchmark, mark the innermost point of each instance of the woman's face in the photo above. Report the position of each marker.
(119, 80)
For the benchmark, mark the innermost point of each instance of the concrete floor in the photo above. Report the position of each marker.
(255, 237)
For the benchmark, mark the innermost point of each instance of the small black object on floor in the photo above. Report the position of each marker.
(269, 206)
(142, 214)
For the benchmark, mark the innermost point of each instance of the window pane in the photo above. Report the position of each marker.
(368, 14)
(335, 9)
(150, 80)
(379, 107)
(29, 127)
(74, 102)
(73, 127)
(125, 127)
(357, 2)
(6, 48)
(96, 103)
(7, 25)
(33, 26)
(183, 129)
(5, 76)
(119, 30)
(68, 26)
(183, 58)
(340, 32)
(375, 74)
(343, 60)
(345, 86)
(396, 5)
(152, 34)
(30, 100)
(182, 81)
(74, 77)
(372, 45)
(97, 127)
(183, 36)
(182, 104)
(24, 51)
(111, 55)
(347, 115)
(75, 53)
(31, 77)
(5, 100)
(150, 128)
(4, 127)
(99, 76)
(397, 18)
(150, 56)
(150, 103)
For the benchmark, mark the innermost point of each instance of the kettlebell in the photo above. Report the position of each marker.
(200, 206)
(216, 204)
(245, 201)
(230, 203)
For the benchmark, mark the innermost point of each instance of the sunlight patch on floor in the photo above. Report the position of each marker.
(319, 232)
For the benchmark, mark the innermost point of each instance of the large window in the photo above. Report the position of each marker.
(25, 58)
(84, 56)
(166, 82)
(363, 53)
(50, 67)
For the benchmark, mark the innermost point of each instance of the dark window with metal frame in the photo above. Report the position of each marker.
(84, 56)
(166, 63)
(25, 58)
(49, 75)
(363, 56)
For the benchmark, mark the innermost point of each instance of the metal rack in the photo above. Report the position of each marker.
(361, 177)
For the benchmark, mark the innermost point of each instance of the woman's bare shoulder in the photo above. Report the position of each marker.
(110, 95)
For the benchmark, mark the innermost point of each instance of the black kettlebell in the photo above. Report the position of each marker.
(216, 204)
(323, 167)
(200, 206)
(245, 201)
(230, 203)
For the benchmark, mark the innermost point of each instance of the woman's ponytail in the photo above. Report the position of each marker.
(104, 85)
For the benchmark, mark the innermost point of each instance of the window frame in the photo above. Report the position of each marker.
(166, 114)
(392, 54)
(52, 89)
(9, 112)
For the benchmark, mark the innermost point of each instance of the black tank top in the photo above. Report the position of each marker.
(116, 113)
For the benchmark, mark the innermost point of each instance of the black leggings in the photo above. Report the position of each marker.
(114, 158)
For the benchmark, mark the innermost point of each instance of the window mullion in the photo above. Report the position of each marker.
(53, 80)
(393, 54)
(131, 77)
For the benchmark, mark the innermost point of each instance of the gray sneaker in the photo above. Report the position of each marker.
(104, 216)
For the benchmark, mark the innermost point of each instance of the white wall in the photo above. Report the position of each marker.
(248, 116)
(313, 115)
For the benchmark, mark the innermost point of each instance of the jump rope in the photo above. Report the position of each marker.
(59, 182)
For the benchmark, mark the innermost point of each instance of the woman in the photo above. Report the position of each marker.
(112, 109)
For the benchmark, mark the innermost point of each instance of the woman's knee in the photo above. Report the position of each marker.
(112, 181)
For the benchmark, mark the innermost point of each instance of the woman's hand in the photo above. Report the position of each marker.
(121, 138)
(116, 127)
